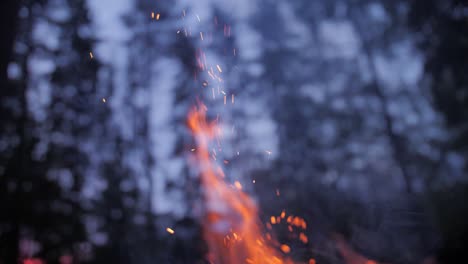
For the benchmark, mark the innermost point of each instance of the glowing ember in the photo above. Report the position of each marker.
(170, 230)
(303, 238)
(285, 248)
(231, 226)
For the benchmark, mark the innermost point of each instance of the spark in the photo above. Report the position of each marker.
(268, 152)
(285, 248)
(219, 68)
(198, 18)
(273, 220)
(211, 75)
(152, 15)
(192, 150)
(157, 16)
(253, 181)
(238, 185)
(201, 35)
(104, 100)
(170, 230)
(91, 55)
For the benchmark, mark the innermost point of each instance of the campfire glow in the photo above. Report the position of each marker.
(231, 226)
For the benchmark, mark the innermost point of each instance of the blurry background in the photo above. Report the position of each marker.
(352, 114)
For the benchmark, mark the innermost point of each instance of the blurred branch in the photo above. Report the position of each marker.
(396, 143)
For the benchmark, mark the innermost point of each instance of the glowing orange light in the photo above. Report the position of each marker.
(283, 214)
(273, 220)
(229, 213)
(285, 248)
(170, 230)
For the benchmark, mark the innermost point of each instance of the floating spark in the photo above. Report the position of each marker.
(170, 230)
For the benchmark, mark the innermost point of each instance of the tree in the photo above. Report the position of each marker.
(440, 27)
(44, 162)
(442, 33)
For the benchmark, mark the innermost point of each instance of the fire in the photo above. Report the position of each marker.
(231, 226)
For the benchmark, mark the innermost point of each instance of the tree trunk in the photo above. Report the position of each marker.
(9, 241)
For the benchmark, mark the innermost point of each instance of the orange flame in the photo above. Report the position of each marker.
(231, 226)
